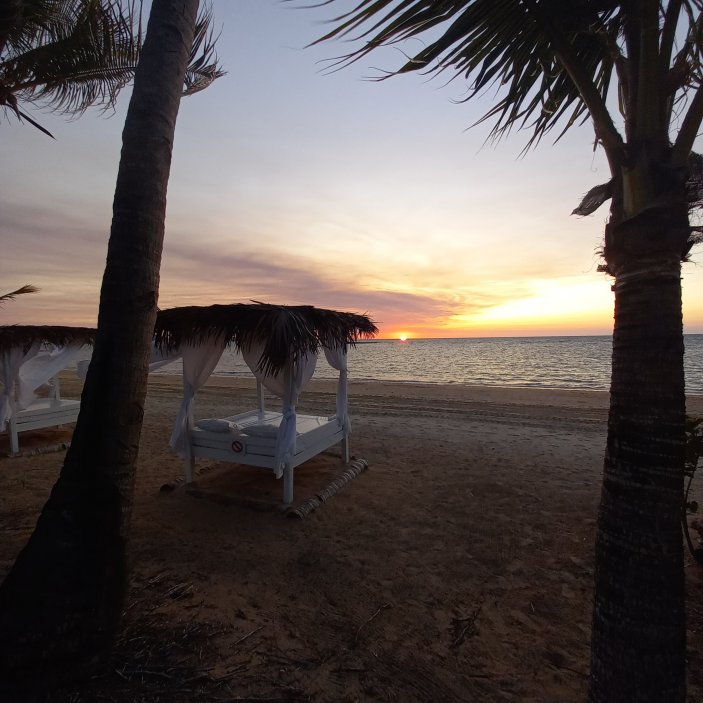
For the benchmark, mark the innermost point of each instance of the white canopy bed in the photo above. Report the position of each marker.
(30, 357)
(280, 345)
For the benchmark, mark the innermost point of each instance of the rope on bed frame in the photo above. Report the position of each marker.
(353, 469)
(46, 449)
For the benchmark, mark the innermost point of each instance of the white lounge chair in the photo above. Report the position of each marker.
(30, 357)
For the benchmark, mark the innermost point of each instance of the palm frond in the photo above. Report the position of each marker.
(694, 182)
(203, 68)
(599, 194)
(494, 43)
(68, 55)
(73, 82)
(24, 290)
(594, 199)
(11, 104)
(81, 54)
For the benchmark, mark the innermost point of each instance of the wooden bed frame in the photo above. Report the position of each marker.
(280, 345)
(251, 440)
(43, 412)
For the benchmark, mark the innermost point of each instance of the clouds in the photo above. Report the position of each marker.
(192, 274)
(63, 250)
(59, 251)
(424, 292)
(294, 187)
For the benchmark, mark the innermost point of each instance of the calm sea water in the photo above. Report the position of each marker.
(539, 362)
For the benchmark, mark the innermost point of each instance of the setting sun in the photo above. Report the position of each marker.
(403, 337)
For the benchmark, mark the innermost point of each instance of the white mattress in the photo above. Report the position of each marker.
(248, 438)
(254, 425)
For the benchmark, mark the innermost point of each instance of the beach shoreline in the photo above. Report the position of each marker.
(458, 567)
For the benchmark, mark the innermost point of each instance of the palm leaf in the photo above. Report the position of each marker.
(595, 197)
(203, 68)
(68, 55)
(599, 194)
(83, 53)
(495, 43)
(24, 290)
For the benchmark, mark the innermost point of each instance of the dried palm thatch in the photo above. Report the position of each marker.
(287, 332)
(24, 336)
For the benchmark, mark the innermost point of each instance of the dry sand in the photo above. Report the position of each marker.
(457, 568)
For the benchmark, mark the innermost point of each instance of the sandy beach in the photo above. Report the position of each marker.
(458, 567)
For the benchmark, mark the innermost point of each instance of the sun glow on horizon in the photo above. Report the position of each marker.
(551, 304)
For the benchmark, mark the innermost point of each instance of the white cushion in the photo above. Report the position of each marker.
(215, 425)
(261, 430)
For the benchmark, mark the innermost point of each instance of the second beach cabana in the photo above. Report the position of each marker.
(30, 357)
(280, 345)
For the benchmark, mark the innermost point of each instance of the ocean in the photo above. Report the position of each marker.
(527, 362)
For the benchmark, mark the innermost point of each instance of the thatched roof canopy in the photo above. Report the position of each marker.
(24, 336)
(286, 331)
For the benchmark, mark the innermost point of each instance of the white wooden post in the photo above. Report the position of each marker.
(260, 396)
(56, 394)
(56, 388)
(189, 468)
(342, 388)
(12, 425)
(189, 460)
(288, 484)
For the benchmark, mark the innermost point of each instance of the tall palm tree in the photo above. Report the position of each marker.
(554, 62)
(68, 55)
(61, 602)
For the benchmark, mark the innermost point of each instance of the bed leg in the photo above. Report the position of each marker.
(14, 439)
(345, 449)
(260, 396)
(12, 428)
(189, 469)
(288, 484)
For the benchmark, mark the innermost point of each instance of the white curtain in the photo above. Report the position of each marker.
(162, 357)
(157, 359)
(10, 364)
(37, 371)
(286, 384)
(198, 363)
(337, 359)
(82, 368)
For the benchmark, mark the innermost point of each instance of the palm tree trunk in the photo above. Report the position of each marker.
(639, 629)
(60, 604)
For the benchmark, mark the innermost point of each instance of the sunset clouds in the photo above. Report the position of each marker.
(290, 186)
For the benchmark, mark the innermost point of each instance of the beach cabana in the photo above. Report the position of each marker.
(280, 345)
(30, 357)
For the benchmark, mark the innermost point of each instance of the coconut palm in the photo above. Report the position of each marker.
(70, 54)
(556, 63)
(61, 603)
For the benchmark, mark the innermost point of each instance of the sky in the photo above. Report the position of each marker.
(295, 185)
